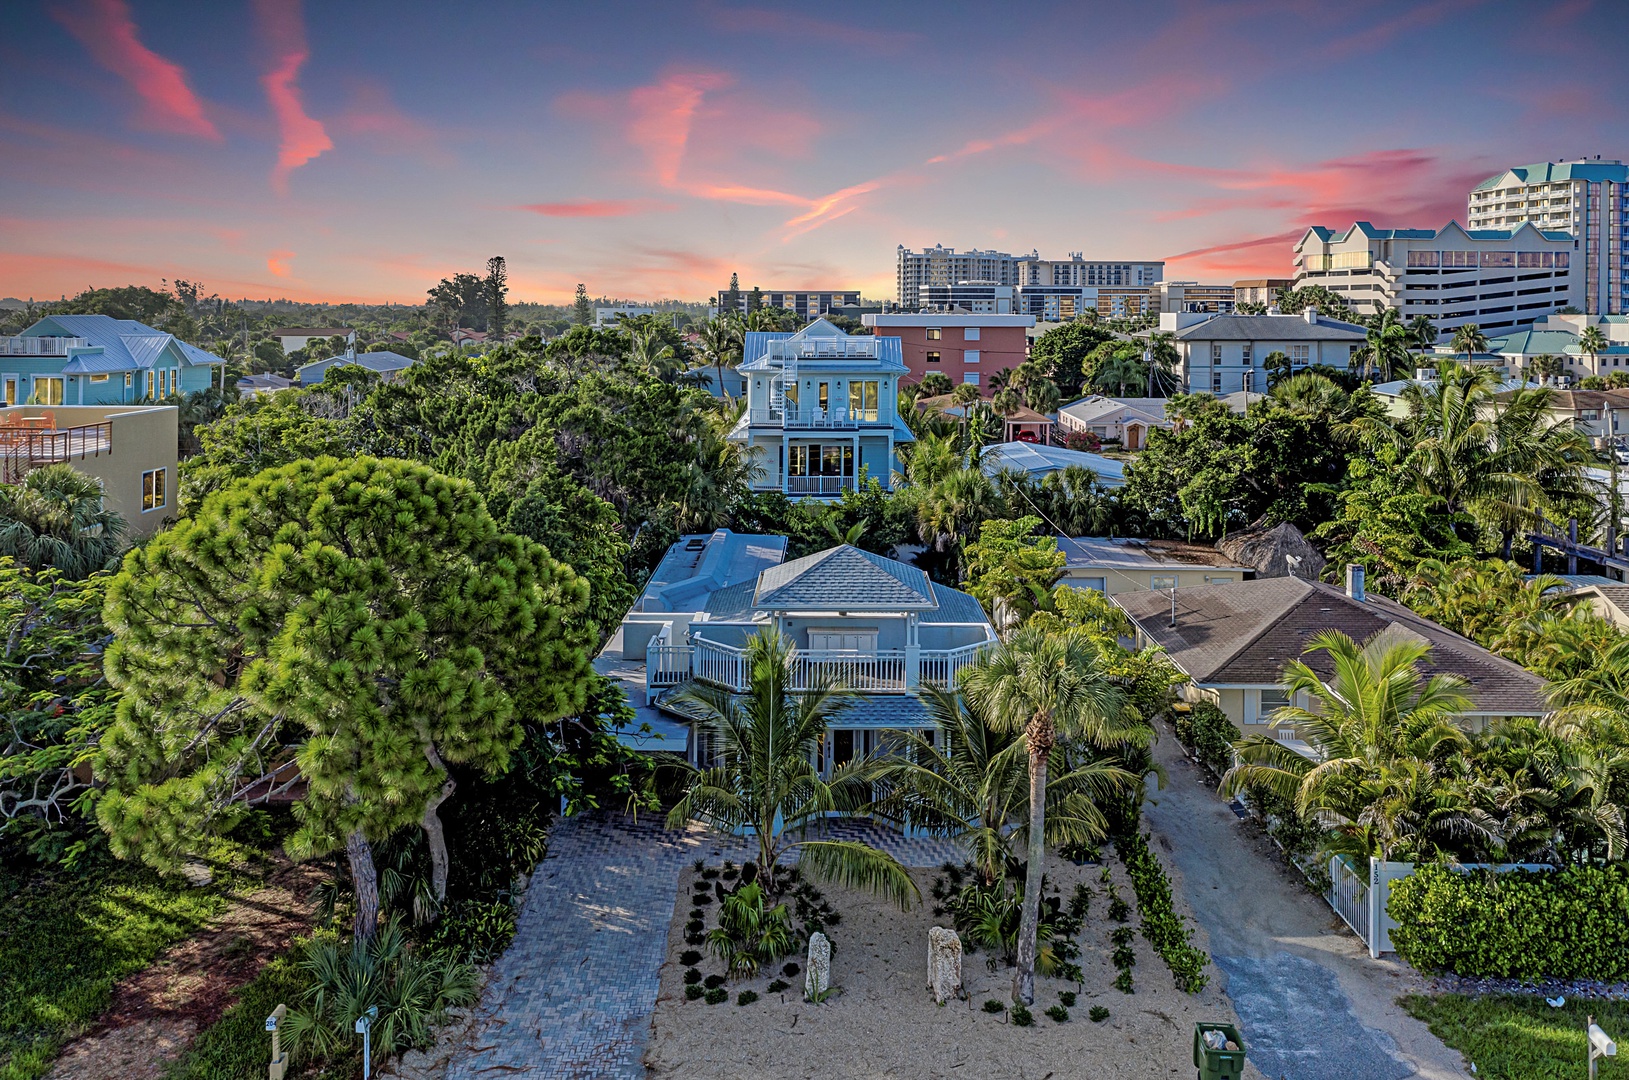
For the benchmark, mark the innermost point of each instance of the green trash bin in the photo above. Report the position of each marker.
(1218, 1064)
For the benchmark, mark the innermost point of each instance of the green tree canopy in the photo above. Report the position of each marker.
(354, 627)
(1061, 353)
(56, 518)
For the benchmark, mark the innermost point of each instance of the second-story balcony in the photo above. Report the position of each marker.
(813, 419)
(40, 346)
(882, 671)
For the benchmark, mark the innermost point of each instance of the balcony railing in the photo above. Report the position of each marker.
(816, 419)
(40, 346)
(881, 672)
(818, 485)
(23, 448)
(823, 348)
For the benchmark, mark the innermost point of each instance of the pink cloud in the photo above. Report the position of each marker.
(662, 114)
(108, 32)
(1382, 33)
(302, 139)
(277, 262)
(597, 208)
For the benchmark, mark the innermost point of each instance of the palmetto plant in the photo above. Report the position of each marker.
(750, 931)
(1385, 772)
(1554, 787)
(973, 785)
(1047, 685)
(56, 518)
(411, 990)
(1386, 342)
(766, 783)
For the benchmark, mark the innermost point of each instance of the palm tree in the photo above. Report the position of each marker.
(1047, 685)
(1422, 333)
(971, 784)
(1382, 739)
(1469, 339)
(766, 783)
(1123, 368)
(952, 509)
(1163, 360)
(1386, 343)
(650, 354)
(721, 346)
(1545, 366)
(56, 518)
(1592, 343)
(1042, 395)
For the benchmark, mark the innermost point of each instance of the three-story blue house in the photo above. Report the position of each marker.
(100, 360)
(821, 409)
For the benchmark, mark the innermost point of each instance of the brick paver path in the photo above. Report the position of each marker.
(572, 997)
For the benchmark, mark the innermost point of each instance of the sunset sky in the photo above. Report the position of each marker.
(361, 151)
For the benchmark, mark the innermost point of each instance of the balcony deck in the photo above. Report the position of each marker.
(881, 672)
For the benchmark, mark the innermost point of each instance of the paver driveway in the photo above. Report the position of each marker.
(1312, 1004)
(572, 997)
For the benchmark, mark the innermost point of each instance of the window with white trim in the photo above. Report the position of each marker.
(154, 489)
(970, 333)
(971, 356)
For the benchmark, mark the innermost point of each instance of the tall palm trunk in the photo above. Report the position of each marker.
(1041, 736)
(365, 883)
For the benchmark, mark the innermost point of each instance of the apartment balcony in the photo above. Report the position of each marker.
(26, 443)
(885, 671)
(40, 346)
(814, 419)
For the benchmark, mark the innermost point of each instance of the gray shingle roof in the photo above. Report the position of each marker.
(1271, 328)
(884, 711)
(731, 600)
(955, 606)
(844, 577)
(1244, 633)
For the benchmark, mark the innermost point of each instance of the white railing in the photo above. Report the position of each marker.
(40, 346)
(1349, 895)
(818, 485)
(824, 419)
(823, 347)
(940, 668)
(667, 665)
(881, 672)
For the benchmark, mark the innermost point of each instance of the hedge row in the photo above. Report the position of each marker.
(1208, 735)
(1162, 926)
(1569, 924)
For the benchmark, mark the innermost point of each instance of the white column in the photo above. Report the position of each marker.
(913, 653)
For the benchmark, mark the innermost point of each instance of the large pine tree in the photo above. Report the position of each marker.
(342, 631)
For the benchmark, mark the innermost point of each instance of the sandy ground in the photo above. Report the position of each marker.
(1323, 1009)
(156, 1013)
(884, 1023)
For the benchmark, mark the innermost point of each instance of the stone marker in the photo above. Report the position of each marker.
(817, 980)
(944, 964)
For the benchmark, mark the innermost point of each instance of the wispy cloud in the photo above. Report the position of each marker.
(597, 208)
(1377, 34)
(278, 263)
(662, 115)
(302, 139)
(107, 30)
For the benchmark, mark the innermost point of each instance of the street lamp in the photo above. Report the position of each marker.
(364, 1028)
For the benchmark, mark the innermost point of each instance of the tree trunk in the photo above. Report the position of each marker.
(1041, 736)
(435, 834)
(365, 882)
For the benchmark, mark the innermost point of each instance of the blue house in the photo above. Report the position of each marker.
(821, 407)
(100, 360)
(387, 365)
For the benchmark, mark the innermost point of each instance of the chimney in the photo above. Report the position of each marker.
(1310, 313)
(1354, 581)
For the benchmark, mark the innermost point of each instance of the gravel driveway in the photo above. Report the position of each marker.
(1314, 1005)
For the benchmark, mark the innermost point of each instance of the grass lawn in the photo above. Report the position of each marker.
(1522, 1038)
(65, 943)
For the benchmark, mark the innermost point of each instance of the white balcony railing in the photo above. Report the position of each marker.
(882, 672)
(818, 419)
(818, 485)
(40, 346)
(812, 348)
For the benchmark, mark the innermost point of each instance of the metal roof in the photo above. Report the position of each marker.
(1038, 460)
(1271, 328)
(126, 345)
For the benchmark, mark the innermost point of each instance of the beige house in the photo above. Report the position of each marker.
(1116, 565)
(1234, 641)
(130, 449)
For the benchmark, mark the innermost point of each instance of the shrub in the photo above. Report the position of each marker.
(692, 976)
(690, 958)
(1162, 926)
(694, 926)
(1122, 981)
(1058, 1013)
(1083, 441)
(1098, 1014)
(994, 1006)
(746, 997)
(713, 982)
(1122, 935)
(693, 991)
(1119, 910)
(702, 899)
(1067, 997)
(1124, 957)
(1569, 924)
(412, 991)
(701, 866)
(697, 913)
(1080, 901)
(474, 931)
(749, 932)
(779, 986)
(694, 939)
(1021, 1017)
(717, 996)
(1210, 736)
(988, 917)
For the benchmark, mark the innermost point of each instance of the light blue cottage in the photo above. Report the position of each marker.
(100, 360)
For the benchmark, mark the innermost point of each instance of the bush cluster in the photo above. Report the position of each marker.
(1208, 735)
(1162, 926)
(1568, 924)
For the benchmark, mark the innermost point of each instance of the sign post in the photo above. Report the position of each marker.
(279, 1060)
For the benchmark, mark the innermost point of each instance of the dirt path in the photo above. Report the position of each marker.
(156, 1014)
(1314, 1006)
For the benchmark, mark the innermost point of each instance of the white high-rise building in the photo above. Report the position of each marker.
(939, 265)
(1588, 198)
(942, 266)
(1495, 278)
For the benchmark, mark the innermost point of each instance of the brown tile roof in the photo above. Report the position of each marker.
(1244, 633)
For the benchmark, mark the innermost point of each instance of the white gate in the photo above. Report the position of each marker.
(1361, 901)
